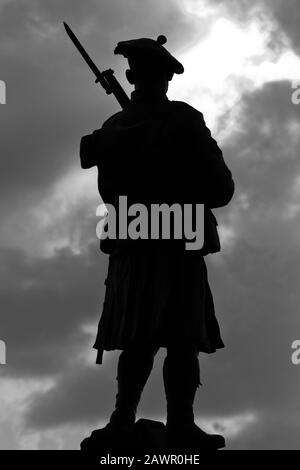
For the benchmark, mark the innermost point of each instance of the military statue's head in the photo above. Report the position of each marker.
(149, 62)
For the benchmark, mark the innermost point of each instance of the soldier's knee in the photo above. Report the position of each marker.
(182, 349)
(183, 358)
(141, 350)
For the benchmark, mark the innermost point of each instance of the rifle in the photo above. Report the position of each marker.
(105, 78)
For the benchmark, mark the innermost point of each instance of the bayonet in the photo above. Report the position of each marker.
(105, 78)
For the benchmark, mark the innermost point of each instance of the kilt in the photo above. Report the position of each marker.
(157, 295)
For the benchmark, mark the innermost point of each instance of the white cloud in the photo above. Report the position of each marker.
(230, 426)
(15, 394)
(231, 60)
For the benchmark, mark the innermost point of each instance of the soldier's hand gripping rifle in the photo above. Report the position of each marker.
(105, 78)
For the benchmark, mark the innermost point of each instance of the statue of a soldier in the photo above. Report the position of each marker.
(158, 151)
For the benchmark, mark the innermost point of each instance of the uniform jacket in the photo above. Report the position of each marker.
(160, 151)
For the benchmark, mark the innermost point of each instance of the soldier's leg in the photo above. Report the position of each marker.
(134, 367)
(181, 375)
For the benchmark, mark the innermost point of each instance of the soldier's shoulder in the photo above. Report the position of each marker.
(113, 119)
(186, 109)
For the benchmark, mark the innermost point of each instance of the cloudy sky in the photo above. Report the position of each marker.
(241, 58)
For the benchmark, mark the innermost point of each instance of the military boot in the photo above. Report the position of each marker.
(181, 376)
(134, 368)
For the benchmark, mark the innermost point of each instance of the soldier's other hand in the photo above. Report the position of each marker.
(87, 151)
(95, 146)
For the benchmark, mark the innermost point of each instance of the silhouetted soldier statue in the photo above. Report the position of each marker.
(157, 292)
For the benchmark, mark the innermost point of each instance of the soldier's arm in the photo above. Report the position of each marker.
(95, 146)
(87, 152)
(111, 140)
(217, 178)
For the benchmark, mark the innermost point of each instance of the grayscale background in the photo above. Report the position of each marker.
(240, 57)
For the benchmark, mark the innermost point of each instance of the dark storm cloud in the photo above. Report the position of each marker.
(267, 149)
(288, 16)
(45, 302)
(86, 404)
